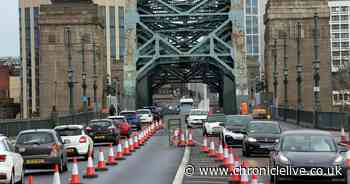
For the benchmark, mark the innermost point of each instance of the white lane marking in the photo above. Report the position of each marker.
(181, 170)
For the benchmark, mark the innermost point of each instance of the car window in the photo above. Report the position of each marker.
(3, 146)
(308, 143)
(199, 113)
(237, 120)
(143, 112)
(127, 114)
(100, 123)
(36, 138)
(269, 128)
(69, 132)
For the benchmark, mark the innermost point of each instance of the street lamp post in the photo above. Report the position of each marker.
(83, 75)
(300, 70)
(95, 77)
(68, 45)
(285, 74)
(275, 74)
(316, 69)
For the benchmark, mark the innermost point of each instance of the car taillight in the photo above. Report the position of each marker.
(2, 158)
(82, 139)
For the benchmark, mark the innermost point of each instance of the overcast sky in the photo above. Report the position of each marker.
(9, 28)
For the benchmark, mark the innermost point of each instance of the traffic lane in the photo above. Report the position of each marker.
(155, 163)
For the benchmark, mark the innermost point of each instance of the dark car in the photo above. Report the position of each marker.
(122, 123)
(41, 148)
(103, 130)
(260, 137)
(234, 125)
(132, 118)
(307, 149)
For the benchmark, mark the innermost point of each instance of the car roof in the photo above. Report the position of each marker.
(116, 117)
(69, 126)
(96, 120)
(128, 111)
(306, 132)
(143, 110)
(37, 130)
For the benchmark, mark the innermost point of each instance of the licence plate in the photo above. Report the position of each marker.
(99, 137)
(266, 146)
(35, 161)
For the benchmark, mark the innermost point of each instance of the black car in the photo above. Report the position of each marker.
(234, 125)
(260, 137)
(309, 149)
(103, 130)
(41, 148)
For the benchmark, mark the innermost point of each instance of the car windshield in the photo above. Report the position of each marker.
(268, 128)
(69, 131)
(199, 113)
(100, 123)
(143, 112)
(36, 138)
(308, 143)
(118, 120)
(237, 120)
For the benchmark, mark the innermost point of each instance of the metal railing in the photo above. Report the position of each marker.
(11, 128)
(326, 120)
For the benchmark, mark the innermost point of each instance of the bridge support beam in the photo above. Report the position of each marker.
(229, 96)
(143, 93)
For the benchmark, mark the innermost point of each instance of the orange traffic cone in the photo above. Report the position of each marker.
(141, 139)
(190, 140)
(119, 155)
(111, 159)
(220, 153)
(244, 176)
(226, 156)
(254, 179)
(131, 145)
(126, 148)
(56, 176)
(90, 170)
(30, 180)
(212, 149)
(205, 148)
(75, 178)
(101, 165)
(231, 164)
(342, 136)
(182, 142)
(136, 142)
(235, 177)
(348, 159)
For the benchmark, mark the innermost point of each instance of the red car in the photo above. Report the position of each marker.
(123, 125)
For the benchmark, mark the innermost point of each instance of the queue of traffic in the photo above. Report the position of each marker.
(46, 148)
(300, 148)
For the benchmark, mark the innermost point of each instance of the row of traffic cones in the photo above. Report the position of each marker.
(182, 135)
(130, 145)
(231, 161)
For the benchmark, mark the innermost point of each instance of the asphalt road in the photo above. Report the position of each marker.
(154, 163)
(198, 159)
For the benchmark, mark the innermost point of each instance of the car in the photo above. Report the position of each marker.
(76, 141)
(197, 118)
(156, 111)
(11, 163)
(214, 125)
(232, 133)
(306, 149)
(132, 118)
(41, 148)
(102, 131)
(145, 115)
(122, 123)
(260, 137)
(260, 112)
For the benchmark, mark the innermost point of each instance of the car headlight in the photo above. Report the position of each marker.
(277, 140)
(339, 160)
(251, 139)
(283, 159)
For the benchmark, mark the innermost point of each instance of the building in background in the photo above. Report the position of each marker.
(281, 24)
(113, 13)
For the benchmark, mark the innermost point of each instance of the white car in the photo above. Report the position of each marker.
(197, 118)
(214, 125)
(76, 141)
(11, 163)
(145, 115)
